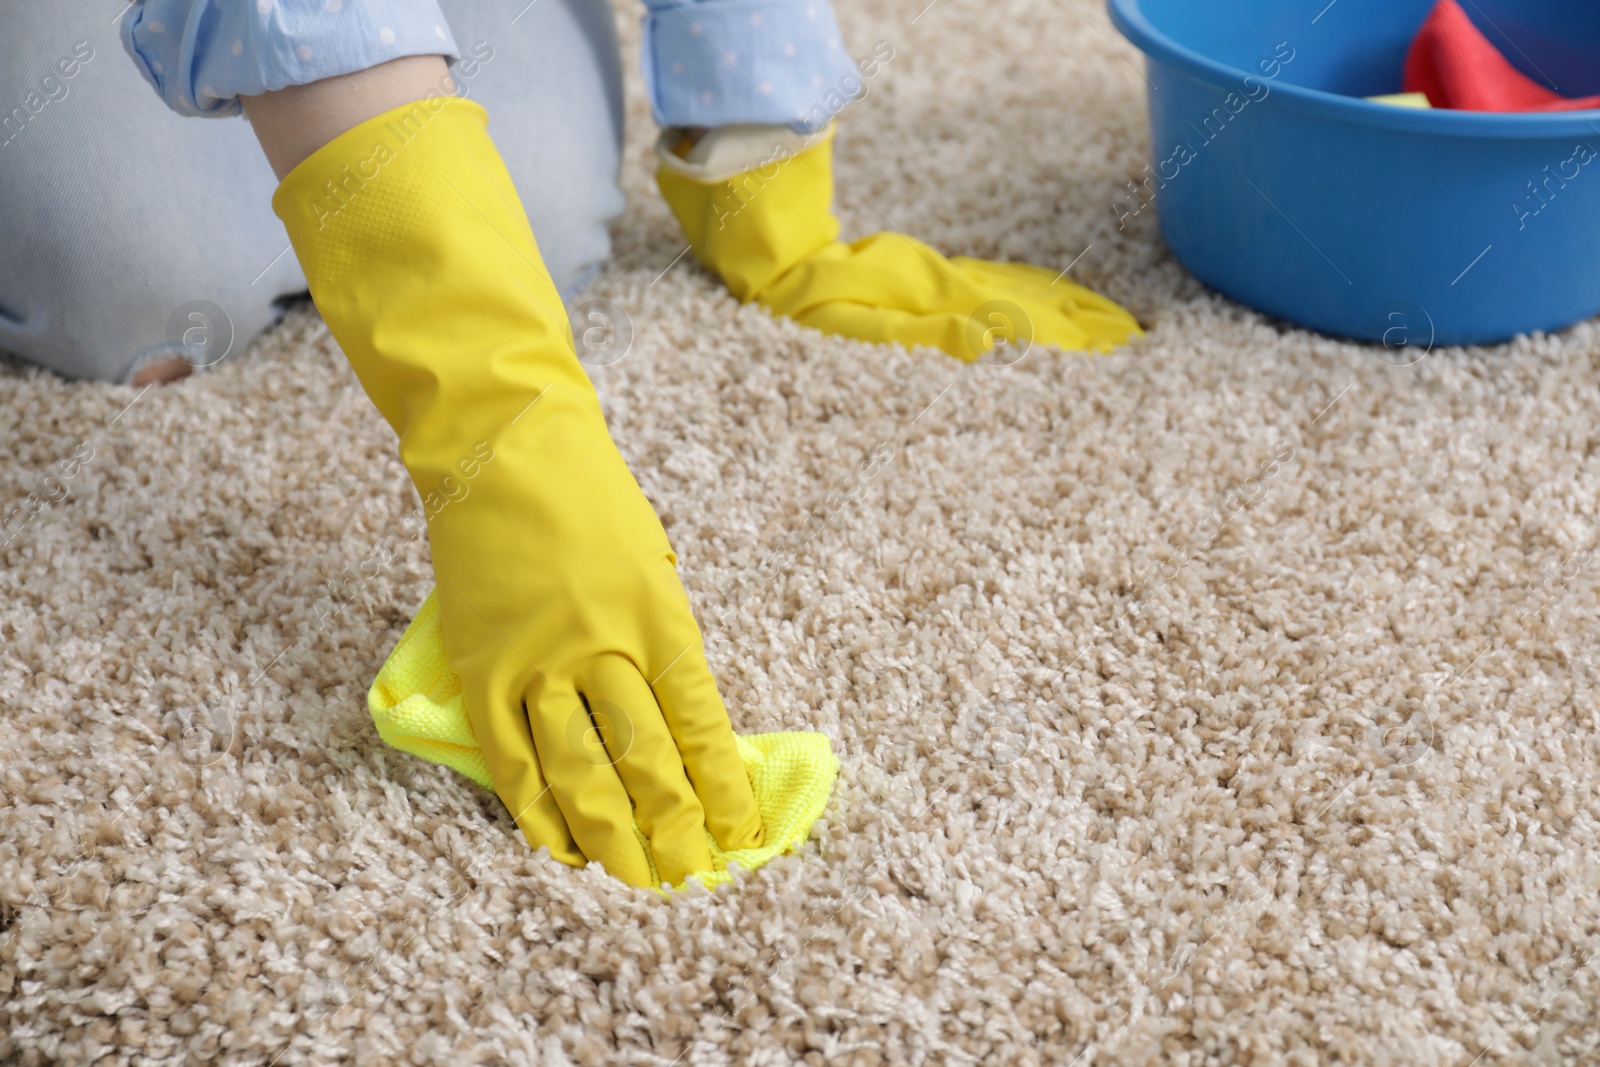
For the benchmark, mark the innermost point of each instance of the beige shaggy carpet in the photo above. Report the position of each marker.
(1230, 699)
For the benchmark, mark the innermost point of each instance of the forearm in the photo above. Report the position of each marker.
(293, 122)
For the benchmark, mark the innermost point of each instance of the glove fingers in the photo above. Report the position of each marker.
(1048, 326)
(575, 753)
(1107, 330)
(664, 804)
(883, 270)
(947, 331)
(1103, 322)
(1025, 278)
(1018, 277)
(687, 693)
(507, 745)
(892, 289)
(967, 335)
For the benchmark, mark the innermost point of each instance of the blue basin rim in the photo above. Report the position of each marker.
(1130, 20)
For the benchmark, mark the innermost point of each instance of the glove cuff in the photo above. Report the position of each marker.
(752, 226)
(725, 151)
(420, 258)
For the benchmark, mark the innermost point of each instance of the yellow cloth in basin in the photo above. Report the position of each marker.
(416, 703)
(1403, 100)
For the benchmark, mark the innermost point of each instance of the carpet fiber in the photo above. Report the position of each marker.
(1224, 700)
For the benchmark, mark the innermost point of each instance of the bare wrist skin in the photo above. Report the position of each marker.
(294, 122)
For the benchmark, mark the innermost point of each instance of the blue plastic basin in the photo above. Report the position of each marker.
(1276, 184)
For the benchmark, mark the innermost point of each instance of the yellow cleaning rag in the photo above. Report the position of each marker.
(1403, 100)
(416, 703)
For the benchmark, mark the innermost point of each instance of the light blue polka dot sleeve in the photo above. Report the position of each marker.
(706, 62)
(714, 62)
(202, 55)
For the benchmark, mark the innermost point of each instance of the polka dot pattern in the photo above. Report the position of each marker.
(712, 62)
(767, 61)
(247, 48)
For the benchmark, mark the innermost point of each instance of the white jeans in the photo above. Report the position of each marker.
(121, 220)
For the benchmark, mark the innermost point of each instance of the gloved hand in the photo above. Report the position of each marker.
(584, 675)
(756, 205)
(416, 704)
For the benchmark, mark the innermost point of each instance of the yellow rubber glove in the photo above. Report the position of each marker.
(416, 703)
(584, 675)
(767, 228)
